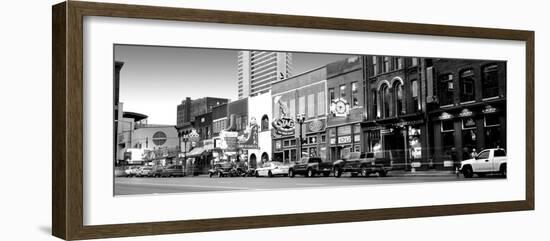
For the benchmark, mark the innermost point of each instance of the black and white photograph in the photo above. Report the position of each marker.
(205, 120)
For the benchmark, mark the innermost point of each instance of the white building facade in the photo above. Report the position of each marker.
(260, 111)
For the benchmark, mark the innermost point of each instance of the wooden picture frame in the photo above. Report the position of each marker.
(67, 119)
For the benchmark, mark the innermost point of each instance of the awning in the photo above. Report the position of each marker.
(197, 151)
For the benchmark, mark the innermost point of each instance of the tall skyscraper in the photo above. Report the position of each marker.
(257, 70)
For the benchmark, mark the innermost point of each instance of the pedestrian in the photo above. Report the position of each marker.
(474, 153)
(453, 155)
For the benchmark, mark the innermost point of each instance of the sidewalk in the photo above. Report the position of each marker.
(430, 173)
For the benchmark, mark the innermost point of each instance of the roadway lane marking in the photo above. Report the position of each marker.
(310, 184)
(186, 185)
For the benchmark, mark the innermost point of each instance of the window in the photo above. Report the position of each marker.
(492, 120)
(344, 130)
(398, 92)
(490, 81)
(500, 153)
(343, 91)
(414, 62)
(468, 123)
(483, 155)
(321, 103)
(446, 89)
(385, 95)
(323, 138)
(374, 65)
(375, 110)
(467, 88)
(302, 105)
(331, 94)
(414, 94)
(265, 123)
(493, 137)
(292, 107)
(447, 125)
(397, 63)
(312, 139)
(311, 105)
(386, 66)
(354, 95)
(286, 143)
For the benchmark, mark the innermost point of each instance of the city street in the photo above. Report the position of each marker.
(130, 186)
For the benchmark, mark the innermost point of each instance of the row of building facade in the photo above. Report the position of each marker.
(418, 112)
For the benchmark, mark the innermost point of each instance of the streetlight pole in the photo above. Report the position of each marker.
(300, 119)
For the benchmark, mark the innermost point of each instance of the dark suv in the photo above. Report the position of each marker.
(309, 167)
(221, 169)
(364, 163)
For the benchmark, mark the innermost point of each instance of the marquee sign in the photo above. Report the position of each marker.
(249, 139)
(466, 113)
(445, 116)
(284, 126)
(489, 109)
(339, 107)
(194, 136)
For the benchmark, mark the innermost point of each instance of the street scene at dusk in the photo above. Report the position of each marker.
(203, 120)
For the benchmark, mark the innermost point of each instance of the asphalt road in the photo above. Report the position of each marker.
(133, 185)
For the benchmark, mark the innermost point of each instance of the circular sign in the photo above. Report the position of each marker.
(315, 126)
(339, 107)
(159, 138)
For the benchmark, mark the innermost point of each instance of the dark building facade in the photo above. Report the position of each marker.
(467, 107)
(395, 125)
(189, 109)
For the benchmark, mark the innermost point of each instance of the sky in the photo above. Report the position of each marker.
(154, 80)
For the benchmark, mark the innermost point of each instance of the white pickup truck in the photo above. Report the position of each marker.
(487, 161)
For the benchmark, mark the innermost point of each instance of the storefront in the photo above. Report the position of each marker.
(402, 141)
(343, 140)
(461, 133)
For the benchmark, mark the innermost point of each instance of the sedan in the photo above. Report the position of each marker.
(270, 169)
(131, 171)
(144, 171)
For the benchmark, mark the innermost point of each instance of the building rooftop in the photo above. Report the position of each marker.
(134, 115)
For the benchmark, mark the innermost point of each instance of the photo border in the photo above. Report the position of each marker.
(67, 119)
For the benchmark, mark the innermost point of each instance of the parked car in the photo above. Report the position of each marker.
(172, 171)
(131, 171)
(363, 163)
(156, 171)
(487, 161)
(144, 171)
(221, 169)
(309, 167)
(271, 169)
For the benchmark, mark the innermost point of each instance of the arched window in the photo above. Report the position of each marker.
(385, 102)
(265, 123)
(398, 97)
(467, 88)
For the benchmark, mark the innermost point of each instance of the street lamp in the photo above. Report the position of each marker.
(301, 119)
